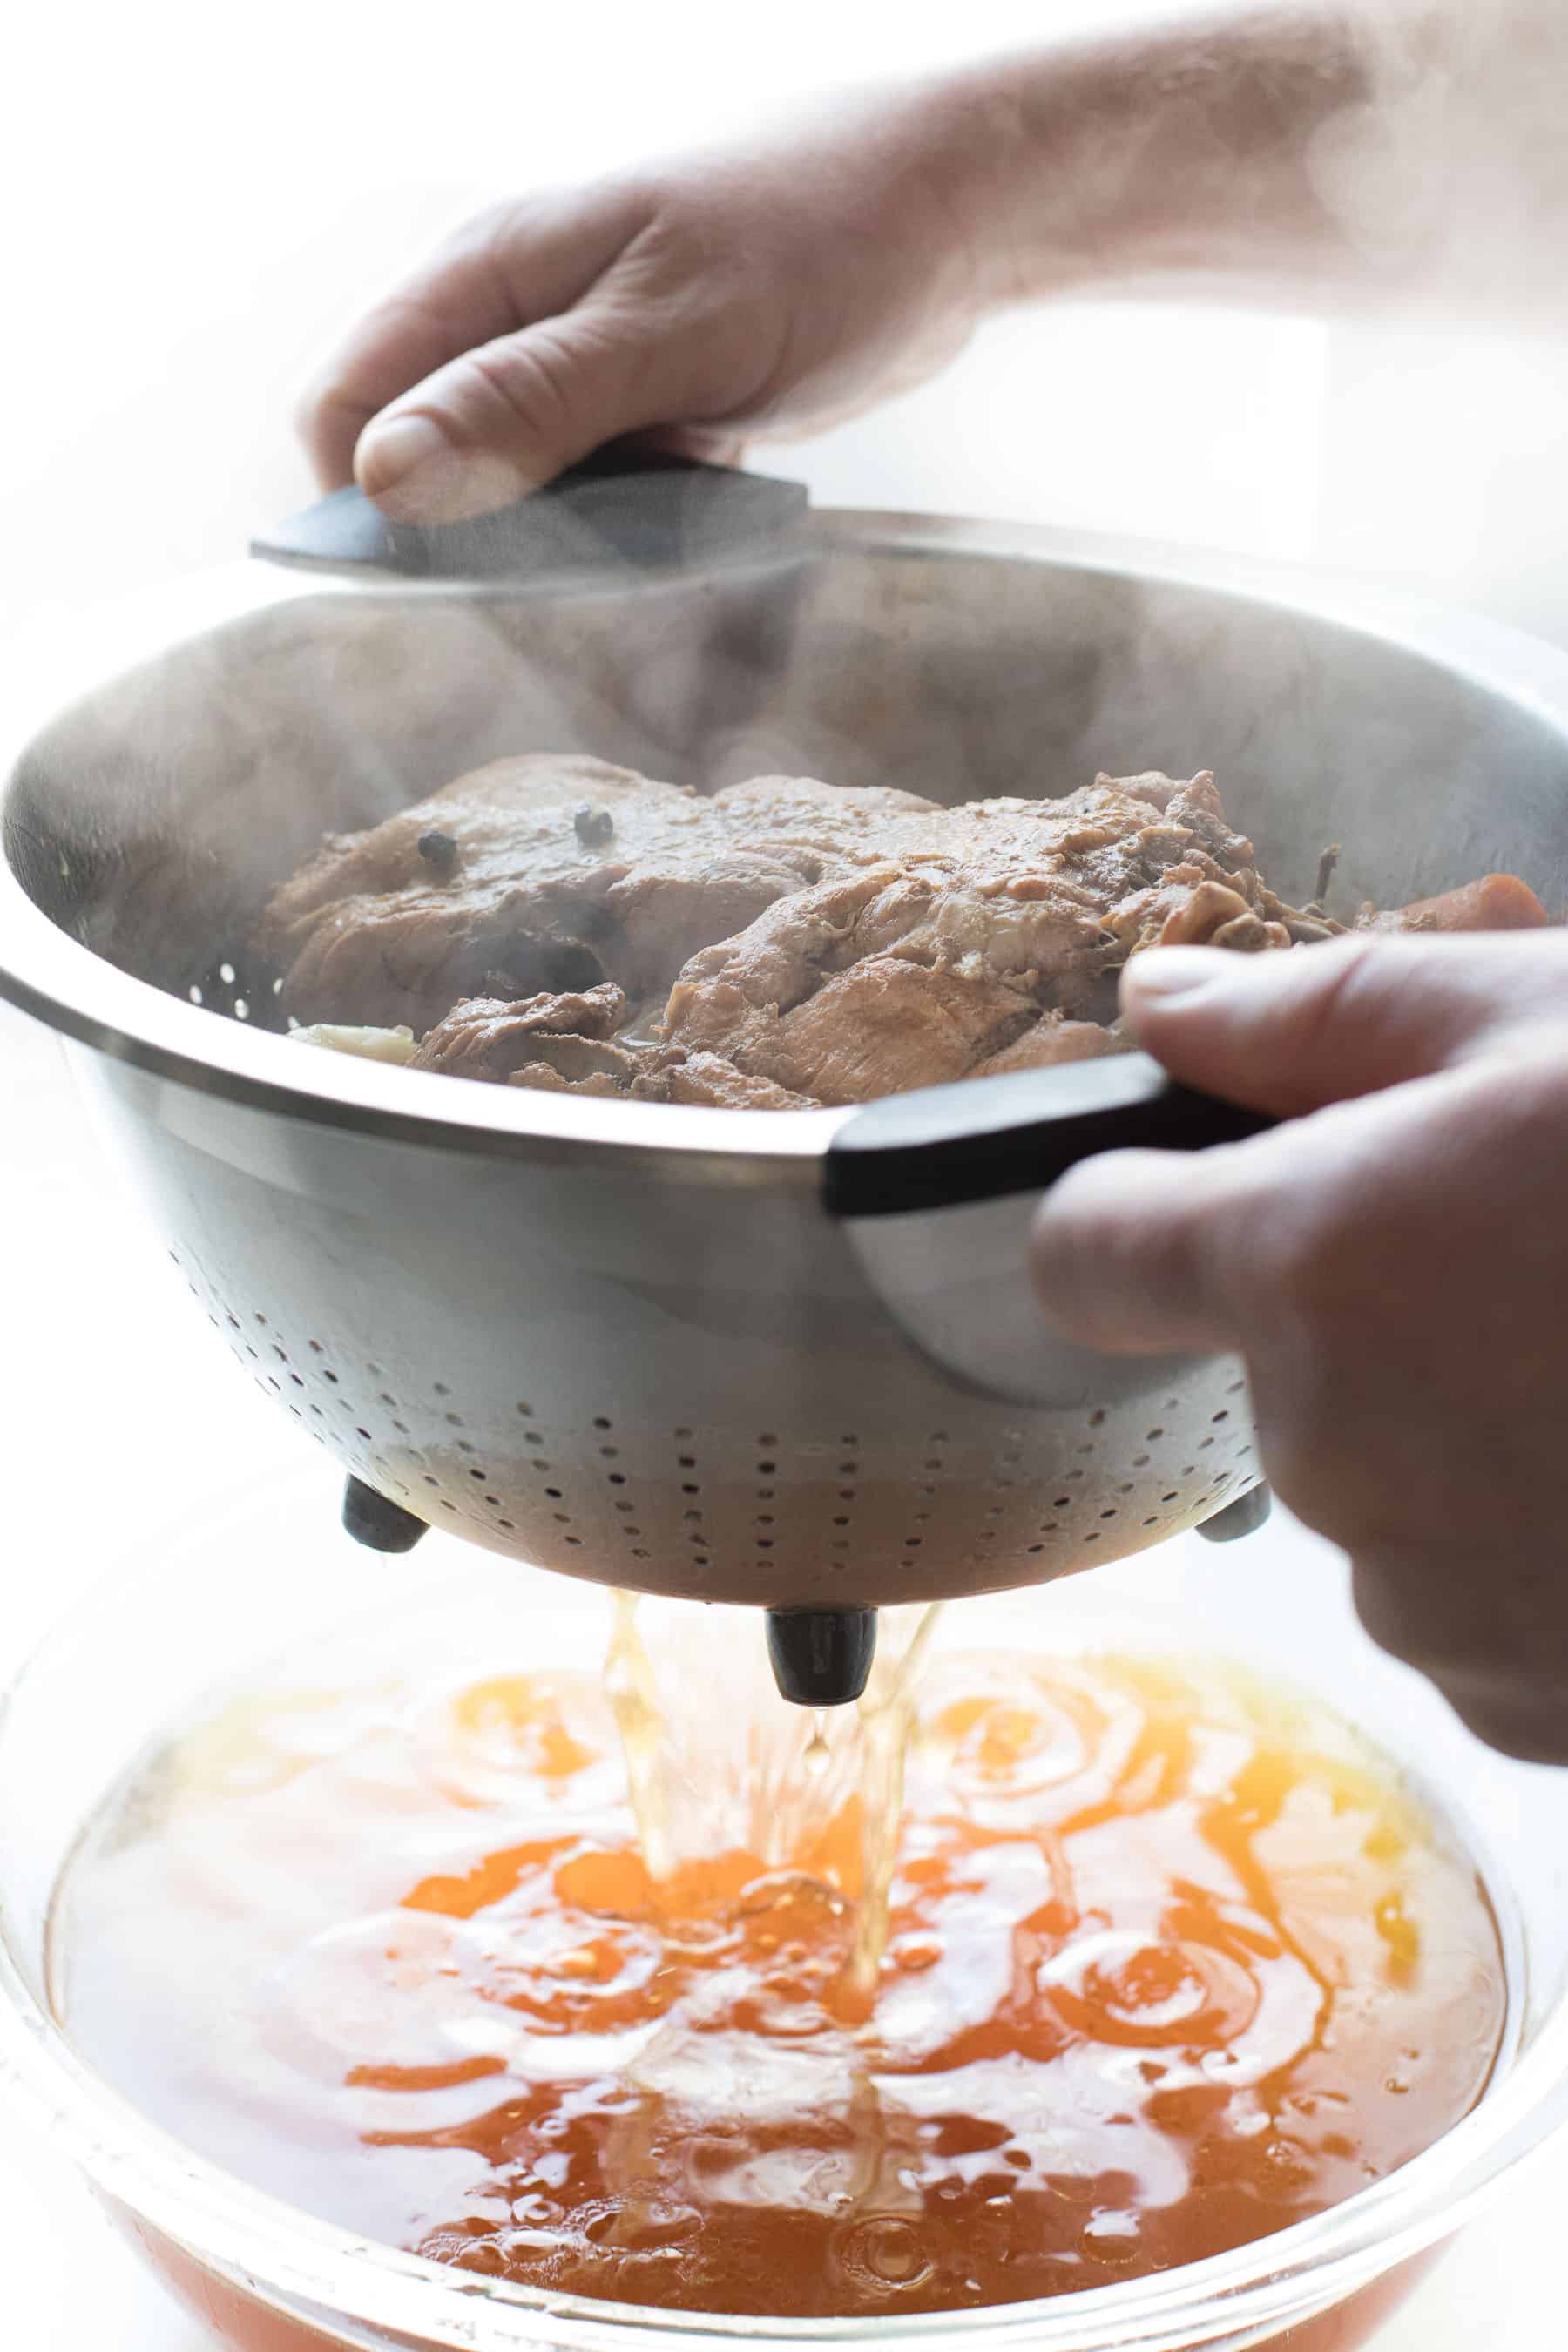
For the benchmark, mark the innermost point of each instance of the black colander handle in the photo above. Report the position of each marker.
(935, 1193)
(986, 1138)
(625, 510)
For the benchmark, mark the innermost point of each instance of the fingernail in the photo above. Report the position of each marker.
(1167, 972)
(389, 454)
(410, 468)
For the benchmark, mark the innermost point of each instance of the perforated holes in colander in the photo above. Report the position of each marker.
(310, 1386)
(845, 1496)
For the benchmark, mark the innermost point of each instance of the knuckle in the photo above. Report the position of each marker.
(1423, 1607)
(690, 235)
(1303, 1244)
(314, 407)
(478, 239)
(498, 237)
(1527, 1091)
(1386, 1620)
(660, 192)
(1099, 1209)
(1118, 1248)
(1294, 1260)
(1527, 1730)
(328, 417)
(490, 235)
(526, 385)
(1350, 978)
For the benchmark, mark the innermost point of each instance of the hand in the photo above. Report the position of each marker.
(770, 293)
(1392, 1265)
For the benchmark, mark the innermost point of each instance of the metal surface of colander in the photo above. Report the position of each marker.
(684, 1349)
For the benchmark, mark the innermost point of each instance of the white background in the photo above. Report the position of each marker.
(193, 201)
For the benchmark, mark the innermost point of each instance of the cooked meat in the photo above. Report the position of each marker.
(1052, 1041)
(662, 1074)
(882, 1025)
(825, 945)
(708, 1079)
(562, 1044)
(484, 1037)
(583, 1065)
(495, 874)
(1191, 908)
(978, 923)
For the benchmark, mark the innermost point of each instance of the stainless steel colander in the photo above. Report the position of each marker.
(779, 1358)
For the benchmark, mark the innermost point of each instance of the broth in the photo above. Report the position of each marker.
(1169, 1961)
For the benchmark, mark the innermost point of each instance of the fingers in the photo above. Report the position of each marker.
(399, 343)
(1530, 1729)
(1123, 1254)
(503, 272)
(1150, 1252)
(1494, 1646)
(1290, 1033)
(501, 419)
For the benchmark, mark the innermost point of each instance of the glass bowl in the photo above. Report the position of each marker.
(209, 1604)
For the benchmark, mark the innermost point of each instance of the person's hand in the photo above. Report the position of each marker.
(1392, 1263)
(773, 291)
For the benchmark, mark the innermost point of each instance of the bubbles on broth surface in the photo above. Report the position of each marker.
(1145, 1962)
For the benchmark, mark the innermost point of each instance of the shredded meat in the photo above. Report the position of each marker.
(983, 926)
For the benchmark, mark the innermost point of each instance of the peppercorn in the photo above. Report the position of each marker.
(439, 850)
(593, 826)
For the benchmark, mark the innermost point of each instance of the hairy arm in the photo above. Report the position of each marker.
(1389, 153)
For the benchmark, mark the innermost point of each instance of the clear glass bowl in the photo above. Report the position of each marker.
(209, 1605)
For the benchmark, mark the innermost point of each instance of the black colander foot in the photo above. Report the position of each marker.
(378, 1524)
(821, 1657)
(1242, 1517)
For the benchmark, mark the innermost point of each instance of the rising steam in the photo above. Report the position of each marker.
(1447, 171)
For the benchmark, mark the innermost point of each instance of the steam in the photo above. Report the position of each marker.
(1447, 173)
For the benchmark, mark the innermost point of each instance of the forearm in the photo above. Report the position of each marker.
(1403, 153)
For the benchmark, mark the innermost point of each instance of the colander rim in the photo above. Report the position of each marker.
(73, 990)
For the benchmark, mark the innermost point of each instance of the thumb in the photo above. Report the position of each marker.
(1288, 1032)
(505, 417)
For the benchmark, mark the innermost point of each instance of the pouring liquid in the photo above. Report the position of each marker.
(1056, 1972)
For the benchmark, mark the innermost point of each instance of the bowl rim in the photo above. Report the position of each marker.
(67, 986)
(317, 2273)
